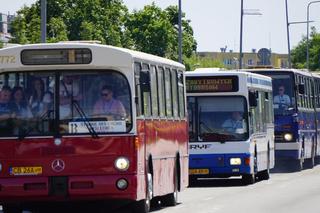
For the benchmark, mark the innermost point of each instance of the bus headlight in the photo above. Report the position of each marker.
(122, 163)
(235, 161)
(288, 137)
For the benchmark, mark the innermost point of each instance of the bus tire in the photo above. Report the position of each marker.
(309, 163)
(172, 198)
(249, 179)
(143, 206)
(192, 180)
(265, 175)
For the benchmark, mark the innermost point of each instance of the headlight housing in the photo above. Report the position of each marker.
(235, 161)
(122, 164)
(288, 137)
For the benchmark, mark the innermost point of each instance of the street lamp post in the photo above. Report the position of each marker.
(242, 13)
(180, 33)
(43, 20)
(308, 9)
(288, 35)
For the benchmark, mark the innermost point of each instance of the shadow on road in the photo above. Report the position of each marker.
(89, 207)
(228, 182)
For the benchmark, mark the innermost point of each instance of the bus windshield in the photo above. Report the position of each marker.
(217, 119)
(283, 92)
(87, 102)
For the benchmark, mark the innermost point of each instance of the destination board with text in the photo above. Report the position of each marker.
(212, 84)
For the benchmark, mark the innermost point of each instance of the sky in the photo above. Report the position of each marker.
(216, 23)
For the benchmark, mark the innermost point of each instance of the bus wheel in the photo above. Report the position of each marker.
(143, 206)
(11, 209)
(299, 165)
(309, 163)
(248, 179)
(172, 198)
(192, 181)
(265, 175)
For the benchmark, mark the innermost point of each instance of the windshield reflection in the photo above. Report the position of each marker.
(88, 102)
(217, 119)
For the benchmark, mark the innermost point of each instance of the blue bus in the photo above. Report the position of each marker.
(296, 115)
(231, 130)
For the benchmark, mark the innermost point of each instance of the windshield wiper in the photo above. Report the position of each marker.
(90, 128)
(81, 113)
(22, 135)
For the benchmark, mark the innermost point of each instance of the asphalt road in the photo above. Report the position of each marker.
(293, 192)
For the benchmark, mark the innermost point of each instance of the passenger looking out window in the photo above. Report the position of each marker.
(5, 111)
(19, 104)
(40, 101)
(69, 91)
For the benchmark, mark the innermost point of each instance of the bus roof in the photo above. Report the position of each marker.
(214, 72)
(298, 71)
(98, 51)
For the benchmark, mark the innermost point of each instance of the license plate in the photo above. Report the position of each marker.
(37, 170)
(198, 171)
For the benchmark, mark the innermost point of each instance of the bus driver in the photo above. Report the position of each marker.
(107, 105)
(282, 98)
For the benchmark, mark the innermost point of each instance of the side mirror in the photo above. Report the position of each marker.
(145, 81)
(301, 89)
(253, 99)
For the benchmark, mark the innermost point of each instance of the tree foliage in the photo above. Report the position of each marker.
(74, 20)
(155, 31)
(299, 53)
(151, 29)
(195, 61)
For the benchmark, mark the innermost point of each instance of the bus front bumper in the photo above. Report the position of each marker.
(61, 189)
(219, 165)
(288, 150)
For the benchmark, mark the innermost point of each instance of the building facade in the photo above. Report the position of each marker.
(250, 59)
(5, 27)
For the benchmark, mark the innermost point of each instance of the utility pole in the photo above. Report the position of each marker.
(288, 35)
(180, 33)
(43, 21)
(241, 28)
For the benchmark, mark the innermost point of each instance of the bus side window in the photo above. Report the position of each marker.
(175, 100)
(146, 93)
(161, 92)
(181, 94)
(154, 92)
(138, 98)
(167, 79)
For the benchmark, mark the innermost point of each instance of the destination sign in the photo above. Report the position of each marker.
(212, 84)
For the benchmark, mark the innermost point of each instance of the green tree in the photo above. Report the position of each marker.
(299, 52)
(58, 30)
(75, 20)
(19, 27)
(155, 31)
(195, 61)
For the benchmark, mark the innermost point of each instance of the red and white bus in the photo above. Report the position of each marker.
(82, 121)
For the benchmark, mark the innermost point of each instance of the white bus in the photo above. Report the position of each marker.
(231, 130)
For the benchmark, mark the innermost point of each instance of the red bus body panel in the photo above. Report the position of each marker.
(89, 164)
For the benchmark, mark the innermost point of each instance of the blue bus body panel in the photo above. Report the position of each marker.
(219, 163)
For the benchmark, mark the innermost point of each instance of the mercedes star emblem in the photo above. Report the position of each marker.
(58, 165)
